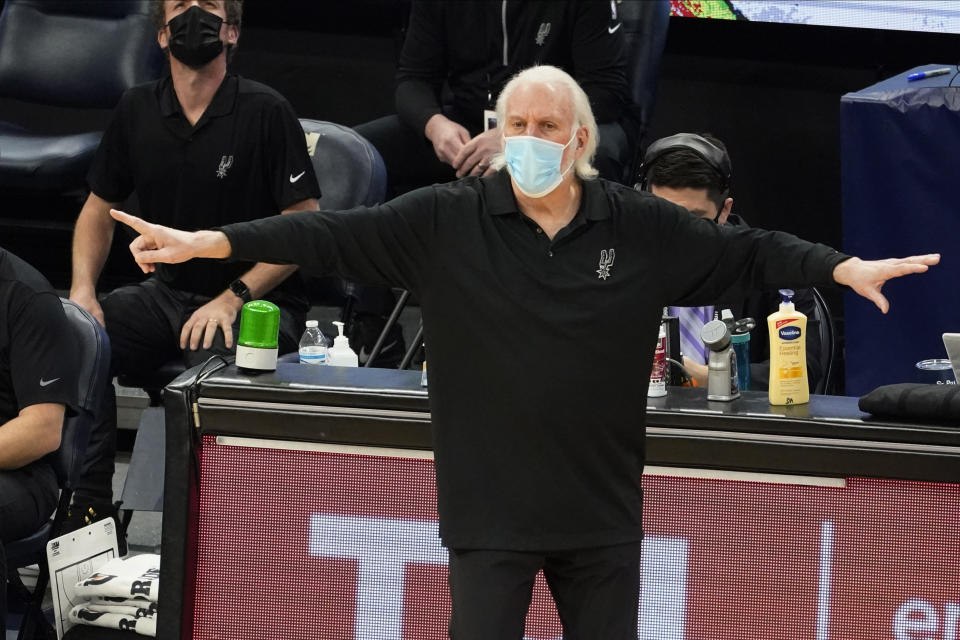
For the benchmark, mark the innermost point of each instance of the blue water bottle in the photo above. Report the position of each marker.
(741, 346)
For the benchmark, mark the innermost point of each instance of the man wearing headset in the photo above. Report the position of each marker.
(694, 171)
(538, 436)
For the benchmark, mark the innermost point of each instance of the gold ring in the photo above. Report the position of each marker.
(211, 320)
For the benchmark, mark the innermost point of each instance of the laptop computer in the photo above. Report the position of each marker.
(952, 343)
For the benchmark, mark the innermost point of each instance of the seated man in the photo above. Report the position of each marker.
(199, 147)
(694, 172)
(472, 49)
(38, 369)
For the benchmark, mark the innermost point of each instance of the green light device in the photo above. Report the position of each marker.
(259, 329)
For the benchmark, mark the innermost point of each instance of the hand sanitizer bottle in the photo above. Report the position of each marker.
(340, 354)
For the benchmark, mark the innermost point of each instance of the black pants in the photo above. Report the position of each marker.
(144, 322)
(597, 592)
(411, 161)
(27, 498)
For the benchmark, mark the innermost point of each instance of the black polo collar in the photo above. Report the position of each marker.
(222, 104)
(500, 198)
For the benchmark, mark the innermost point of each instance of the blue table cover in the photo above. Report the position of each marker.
(901, 175)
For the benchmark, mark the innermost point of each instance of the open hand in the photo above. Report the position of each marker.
(218, 313)
(867, 277)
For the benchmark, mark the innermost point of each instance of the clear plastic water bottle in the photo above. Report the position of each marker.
(313, 345)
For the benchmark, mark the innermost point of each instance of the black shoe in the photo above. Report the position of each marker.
(364, 329)
(81, 515)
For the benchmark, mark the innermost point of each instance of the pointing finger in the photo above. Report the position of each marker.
(134, 222)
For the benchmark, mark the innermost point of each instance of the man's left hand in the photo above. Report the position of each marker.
(867, 277)
(474, 157)
(203, 324)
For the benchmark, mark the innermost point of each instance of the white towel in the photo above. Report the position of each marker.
(136, 577)
(81, 614)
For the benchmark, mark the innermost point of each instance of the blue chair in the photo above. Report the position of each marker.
(350, 173)
(94, 375)
(69, 54)
(349, 169)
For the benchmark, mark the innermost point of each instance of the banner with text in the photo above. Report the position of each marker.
(312, 544)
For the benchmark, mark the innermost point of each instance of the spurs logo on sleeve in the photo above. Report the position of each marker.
(606, 262)
(225, 163)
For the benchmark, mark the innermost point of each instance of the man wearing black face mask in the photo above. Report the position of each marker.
(694, 172)
(194, 37)
(198, 147)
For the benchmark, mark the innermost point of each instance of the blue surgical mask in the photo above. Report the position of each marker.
(534, 163)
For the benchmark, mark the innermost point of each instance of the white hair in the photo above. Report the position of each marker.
(555, 77)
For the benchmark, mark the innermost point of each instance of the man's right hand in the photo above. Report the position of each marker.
(157, 243)
(699, 372)
(447, 137)
(88, 300)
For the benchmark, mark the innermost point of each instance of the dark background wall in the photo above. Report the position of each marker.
(771, 92)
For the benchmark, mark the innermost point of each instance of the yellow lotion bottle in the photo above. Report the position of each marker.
(788, 353)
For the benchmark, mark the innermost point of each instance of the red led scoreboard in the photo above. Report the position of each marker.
(305, 508)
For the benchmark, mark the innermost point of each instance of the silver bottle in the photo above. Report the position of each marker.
(722, 383)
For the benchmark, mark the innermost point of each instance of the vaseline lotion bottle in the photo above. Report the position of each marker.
(788, 353)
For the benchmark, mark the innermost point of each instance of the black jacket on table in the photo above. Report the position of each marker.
(758, 305)
(537, 406)
(478, 46)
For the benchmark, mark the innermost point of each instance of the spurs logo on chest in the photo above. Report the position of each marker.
(606, 263)
(225, 163)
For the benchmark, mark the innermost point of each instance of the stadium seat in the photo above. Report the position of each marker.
(67, 53)
(349, 169)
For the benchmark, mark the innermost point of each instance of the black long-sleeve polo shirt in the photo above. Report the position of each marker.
(537, 381)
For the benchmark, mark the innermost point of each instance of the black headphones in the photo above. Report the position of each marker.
(714, 156)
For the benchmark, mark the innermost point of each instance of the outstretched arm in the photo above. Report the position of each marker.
(867, 277)
(157, 243)
(387, 244)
